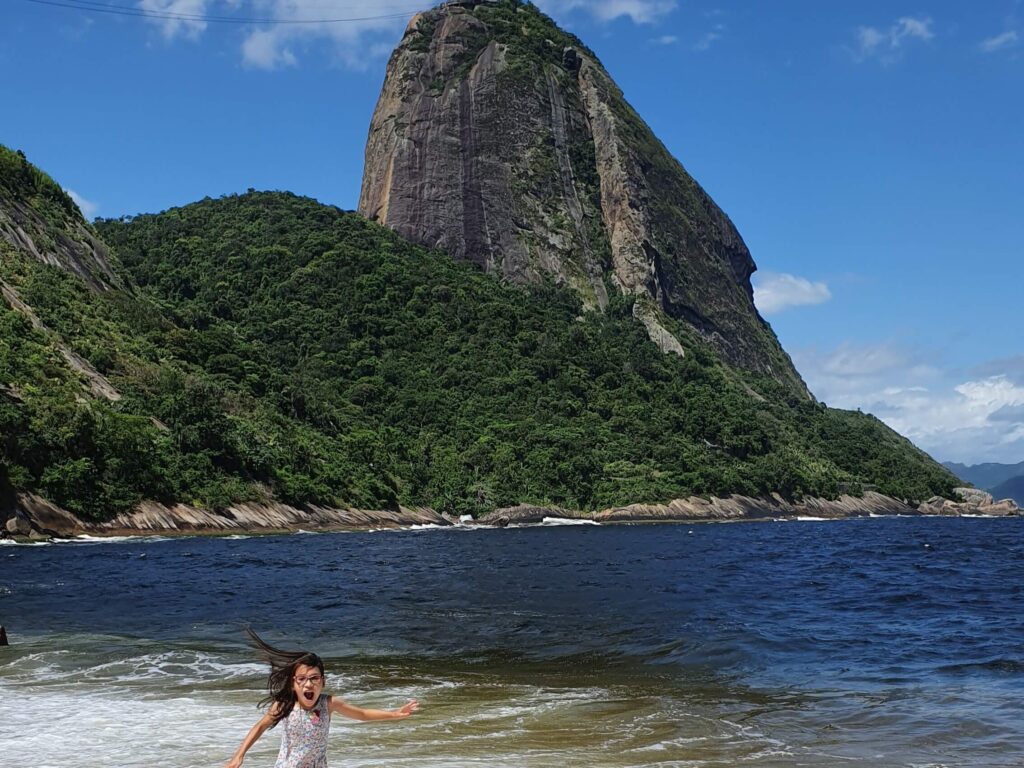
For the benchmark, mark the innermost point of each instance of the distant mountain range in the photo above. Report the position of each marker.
(1011, 489)
(1003, 481)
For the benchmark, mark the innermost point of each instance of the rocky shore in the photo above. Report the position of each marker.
(696, 509)
(34, 518)
(31, 518)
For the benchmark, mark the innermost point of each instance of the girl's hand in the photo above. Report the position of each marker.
(235, 762)
(408, 708)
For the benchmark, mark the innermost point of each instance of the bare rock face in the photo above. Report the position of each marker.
(39, 219)
(149, 518)
(18, 526)
(447, 169)
(972, 496)
(502, 140)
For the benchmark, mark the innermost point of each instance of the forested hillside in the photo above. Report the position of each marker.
(267, 346)
(438, 385)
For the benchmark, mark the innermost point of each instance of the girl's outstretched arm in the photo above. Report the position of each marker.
(252, 737)
(340, 707)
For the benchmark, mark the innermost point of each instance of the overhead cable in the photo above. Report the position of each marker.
(122, 10)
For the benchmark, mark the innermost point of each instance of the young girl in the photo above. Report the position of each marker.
(297, 677)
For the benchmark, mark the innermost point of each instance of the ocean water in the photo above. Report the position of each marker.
(876, 642)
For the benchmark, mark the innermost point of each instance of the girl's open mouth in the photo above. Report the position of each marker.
(308, 695)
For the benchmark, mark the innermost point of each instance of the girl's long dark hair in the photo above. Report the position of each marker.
(283, 664)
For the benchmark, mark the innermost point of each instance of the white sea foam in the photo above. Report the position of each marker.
(181, 668)
(417, 527)
(179, 708)
(567, 521)
(554, 522)
(92, 727)
(140, 538)
(100, 720)
(86, 539)
(13, 543)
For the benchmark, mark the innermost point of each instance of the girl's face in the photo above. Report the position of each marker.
(308, 683)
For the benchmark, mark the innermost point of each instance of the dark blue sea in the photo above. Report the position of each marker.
(869, 642)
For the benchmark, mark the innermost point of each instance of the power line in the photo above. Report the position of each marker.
(121, 10)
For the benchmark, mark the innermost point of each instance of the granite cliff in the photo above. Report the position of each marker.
(501, 140)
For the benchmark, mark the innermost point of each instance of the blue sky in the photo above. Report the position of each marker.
(870, 153)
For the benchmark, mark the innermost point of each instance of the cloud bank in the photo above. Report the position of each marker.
(971, 417)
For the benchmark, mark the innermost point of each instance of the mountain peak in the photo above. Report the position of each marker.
(500, 139)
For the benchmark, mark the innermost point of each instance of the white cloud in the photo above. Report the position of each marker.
(666, 40)
(886, 45)
(358, 31)
(355, 29)
(640, 11)
(869, 40)
(974, 420)
(172, 27)
(264, 49)
(774, 292)
(355, 42)
(999, 42)
(989, 397)
(907, 27)
(87, 207)
(709, 38)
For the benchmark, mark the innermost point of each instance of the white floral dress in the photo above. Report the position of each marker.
(304, 741)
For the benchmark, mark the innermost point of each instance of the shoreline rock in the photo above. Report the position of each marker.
(152, 518)
(33, 518)
(698, 509)
(971, 502)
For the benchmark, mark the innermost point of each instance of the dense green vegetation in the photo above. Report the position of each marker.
(22, 181)
(528, 34)
(273, 347)
(352, 367)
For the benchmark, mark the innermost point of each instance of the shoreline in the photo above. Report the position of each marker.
(33, 519)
